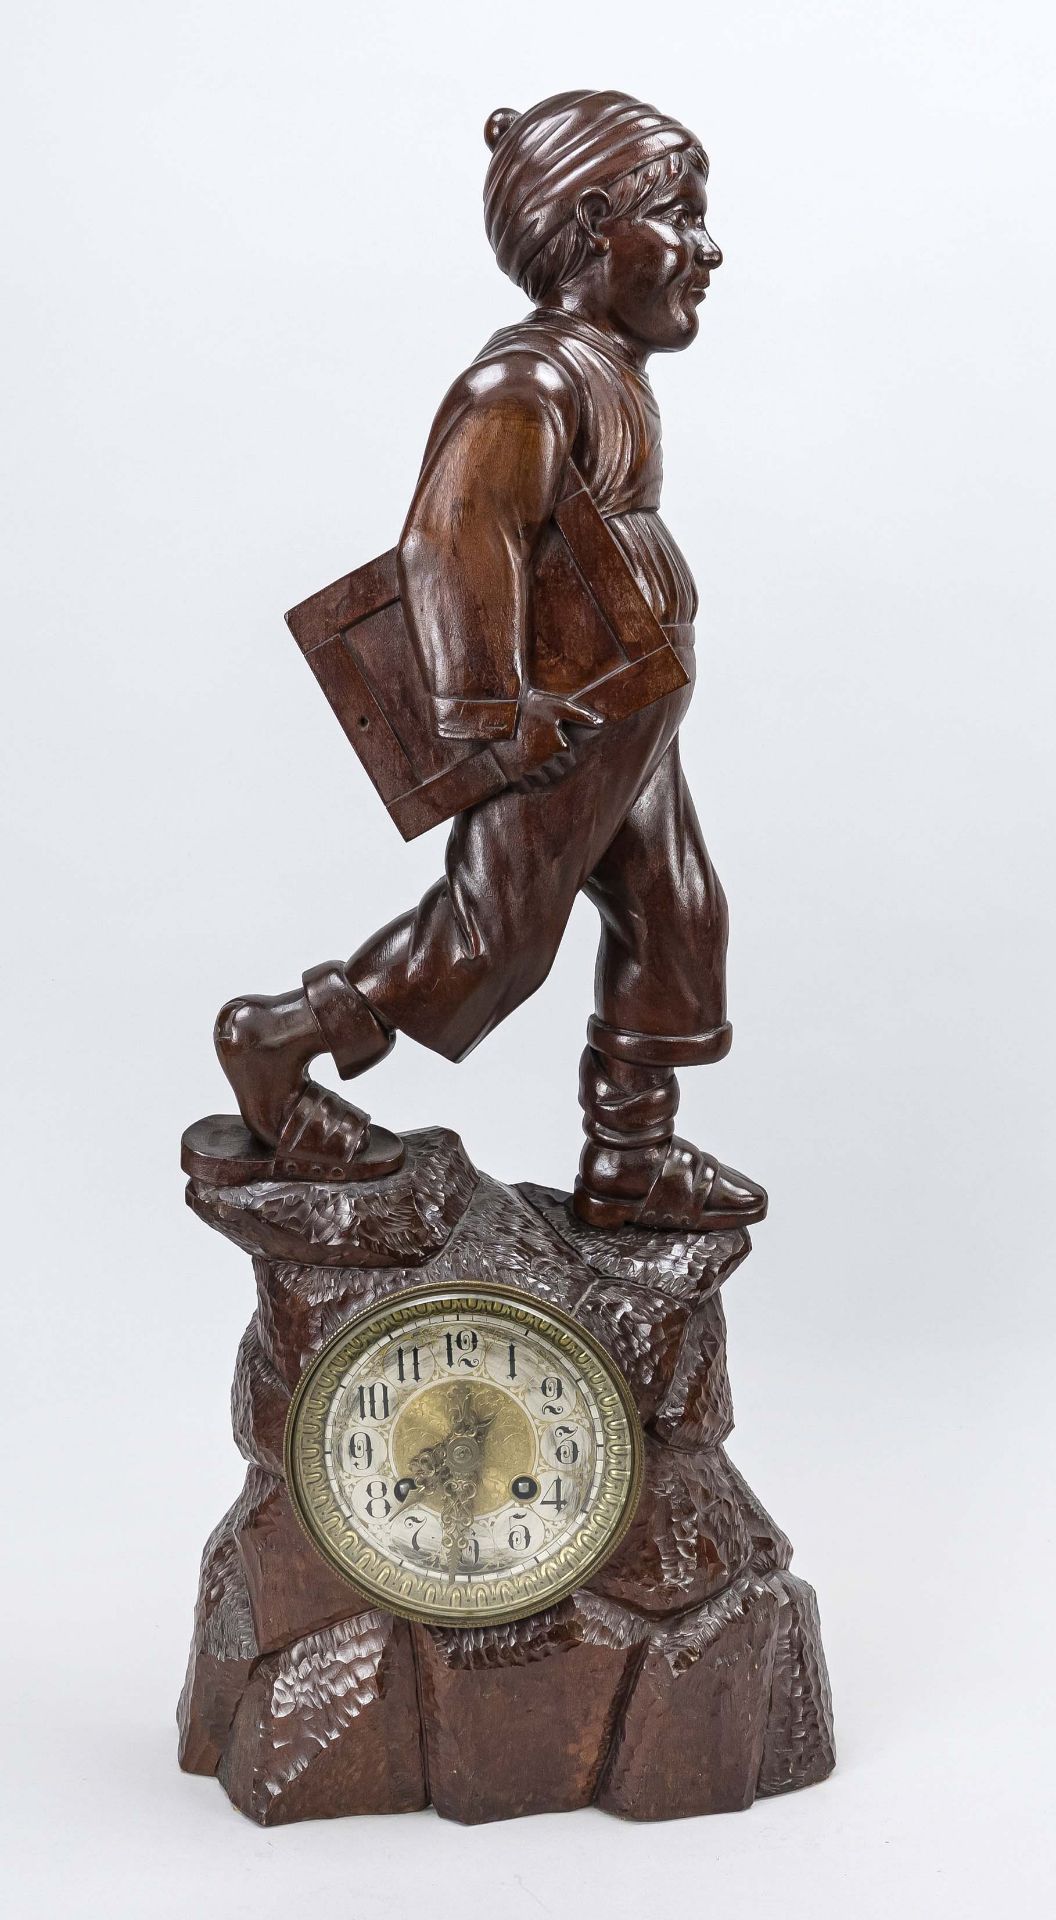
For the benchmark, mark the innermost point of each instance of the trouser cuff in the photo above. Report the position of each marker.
(660, 1050)
(350, 1028)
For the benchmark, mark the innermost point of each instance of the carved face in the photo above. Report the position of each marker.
(657, 264)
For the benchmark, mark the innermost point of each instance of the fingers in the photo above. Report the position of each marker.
(549, 772)
(576, 713)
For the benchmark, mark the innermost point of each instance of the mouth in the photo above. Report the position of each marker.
(698, 289)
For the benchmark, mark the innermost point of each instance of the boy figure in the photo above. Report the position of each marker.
(595, 206)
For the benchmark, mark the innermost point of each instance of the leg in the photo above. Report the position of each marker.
(484, 938)
(480, 942)
(661, 1000)
(265, 1045)
(662, 959)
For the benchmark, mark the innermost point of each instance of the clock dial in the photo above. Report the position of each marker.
(464, 1454)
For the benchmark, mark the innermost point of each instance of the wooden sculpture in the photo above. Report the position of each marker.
(491, 1553)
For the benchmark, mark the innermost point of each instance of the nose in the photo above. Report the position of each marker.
(706, 253)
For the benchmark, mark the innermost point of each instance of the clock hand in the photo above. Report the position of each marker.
(453, 1467)
(456, 1519)
(465, 1455)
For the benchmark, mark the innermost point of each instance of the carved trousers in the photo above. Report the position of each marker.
(619, 826)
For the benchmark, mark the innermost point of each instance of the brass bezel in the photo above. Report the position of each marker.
(603, 1527)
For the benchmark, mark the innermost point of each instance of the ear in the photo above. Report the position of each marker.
(592, 208)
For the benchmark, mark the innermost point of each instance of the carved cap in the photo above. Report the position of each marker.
(544, 159)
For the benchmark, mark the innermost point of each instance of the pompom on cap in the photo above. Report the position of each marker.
(498, 123)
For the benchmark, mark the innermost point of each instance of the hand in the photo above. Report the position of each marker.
(452, 1468)
(541, 751)
(464, 1449)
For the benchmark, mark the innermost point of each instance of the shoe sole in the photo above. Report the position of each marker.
(220, 1151)
(619, 1213)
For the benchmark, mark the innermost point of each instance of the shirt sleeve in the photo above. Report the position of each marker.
(493, 473)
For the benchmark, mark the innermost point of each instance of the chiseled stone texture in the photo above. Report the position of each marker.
(692, 1734)
(291, 1588)
(688, 1539)
(223, 1650)
(328, 1725)
(689, 1678)
(798, 1750)
(519, 1718)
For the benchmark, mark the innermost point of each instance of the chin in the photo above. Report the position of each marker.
(680, 330)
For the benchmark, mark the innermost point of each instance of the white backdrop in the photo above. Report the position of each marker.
(242, 258)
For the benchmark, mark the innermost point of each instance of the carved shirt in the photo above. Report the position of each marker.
(549, 390)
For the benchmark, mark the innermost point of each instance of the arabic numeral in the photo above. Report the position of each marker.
(554, 1498)
(462, 1348)
(416, 1521)
(552, 1390)
(512, 1351)
(374, 1401)
(378, 1506)
(407, 1367)
(520, 1536)
(360, 1449)
(566, 1449)
(470, 1555)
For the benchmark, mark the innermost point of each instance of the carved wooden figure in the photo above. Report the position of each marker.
(491, 1553)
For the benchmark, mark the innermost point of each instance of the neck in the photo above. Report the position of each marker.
(583, 303)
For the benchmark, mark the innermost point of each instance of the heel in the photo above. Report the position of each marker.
(602, 1213)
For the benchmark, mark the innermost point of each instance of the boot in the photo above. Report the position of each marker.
(265, 1046)
(635, 1171)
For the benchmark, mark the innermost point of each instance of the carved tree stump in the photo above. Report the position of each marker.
(687, 1679)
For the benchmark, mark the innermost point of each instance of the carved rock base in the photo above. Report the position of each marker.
(688, 1679)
